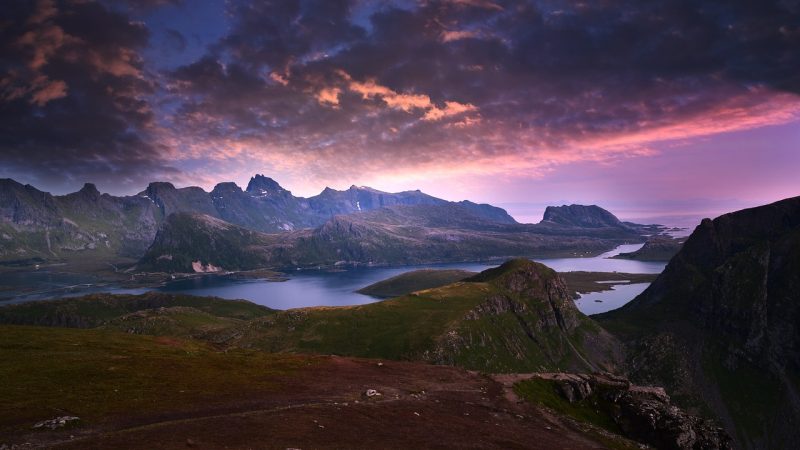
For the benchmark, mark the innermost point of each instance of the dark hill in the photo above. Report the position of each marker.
(591, 216)
(720, 327)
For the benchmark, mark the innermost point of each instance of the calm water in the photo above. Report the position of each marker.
(600, 302)
(321, 288)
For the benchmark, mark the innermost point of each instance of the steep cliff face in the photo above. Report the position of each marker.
(36, 225)
(527, 321)
(189, 242)
(721, 325)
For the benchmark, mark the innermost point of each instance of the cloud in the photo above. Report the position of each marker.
(334, 89)
(74, 98)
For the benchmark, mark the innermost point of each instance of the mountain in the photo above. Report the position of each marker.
(720, 327)
(584, 216)
(36, 225)
(488, 212)
(394, 235)
(331, 202)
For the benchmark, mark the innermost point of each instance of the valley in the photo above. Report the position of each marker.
(406, 281)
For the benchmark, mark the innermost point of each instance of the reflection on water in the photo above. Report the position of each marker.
(320, 288)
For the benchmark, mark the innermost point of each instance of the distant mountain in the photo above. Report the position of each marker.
(36, 225)
(360, 225)
(266, 206)
(401, 234)
(591, 216)
(720, 327)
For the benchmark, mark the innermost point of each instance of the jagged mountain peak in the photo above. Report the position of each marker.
(261, 184)
(90, 189)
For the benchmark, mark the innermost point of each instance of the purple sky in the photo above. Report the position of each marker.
(660, 110)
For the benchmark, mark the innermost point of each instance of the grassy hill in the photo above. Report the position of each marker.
(518, 317)
(413, 281)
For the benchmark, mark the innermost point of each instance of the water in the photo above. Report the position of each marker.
(321, 288)
(609, 300)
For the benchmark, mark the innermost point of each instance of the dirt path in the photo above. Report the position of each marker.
(420, 406)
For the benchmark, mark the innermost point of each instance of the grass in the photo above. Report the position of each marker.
(401, 328)
(96, 375)
(413, 281)
(510, 332)
(97, 309)
(592, 410)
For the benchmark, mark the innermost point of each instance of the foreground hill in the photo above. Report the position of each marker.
(720, 327)
(201, 380)
(514, 318)
(142, 392)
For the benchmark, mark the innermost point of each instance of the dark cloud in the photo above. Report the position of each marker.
(336, 88)
(530, 75)
(75, 95)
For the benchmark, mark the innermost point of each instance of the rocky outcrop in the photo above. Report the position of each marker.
(526, 319)
(642, 413)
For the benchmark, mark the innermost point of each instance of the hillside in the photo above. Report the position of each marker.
(656, 248)
(413, 281)
(514, 318)
(396, 235)
(36, 226)
(142, 392)
(518, 317)
(719, 327)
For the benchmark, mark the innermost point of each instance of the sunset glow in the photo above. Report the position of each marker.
(513, 103)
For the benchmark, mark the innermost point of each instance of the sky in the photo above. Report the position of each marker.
(661, 110)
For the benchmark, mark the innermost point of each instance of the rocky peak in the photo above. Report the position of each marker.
(643, 413)
(154, 188)
(535, 283)
(262, 185)
(89, 190)
(226, 188)
(591, 216)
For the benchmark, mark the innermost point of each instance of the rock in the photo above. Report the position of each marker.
(643, 413)
(371, 393)
(58, 422)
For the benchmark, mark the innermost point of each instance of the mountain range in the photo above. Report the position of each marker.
(165, 228)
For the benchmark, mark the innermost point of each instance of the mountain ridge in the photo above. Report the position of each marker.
(36, 225)
(719, 327)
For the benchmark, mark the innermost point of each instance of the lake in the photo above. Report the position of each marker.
(323, 288)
